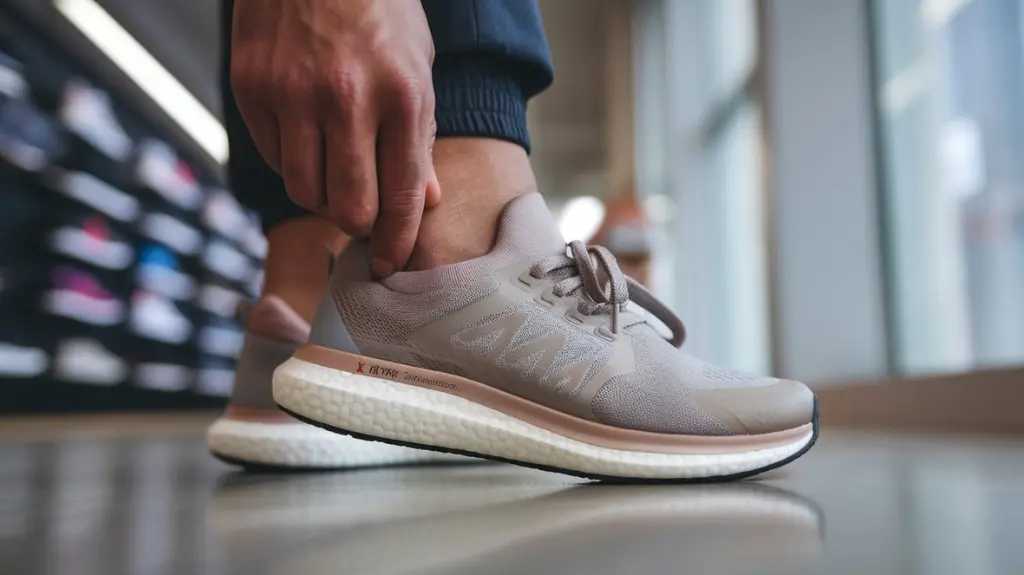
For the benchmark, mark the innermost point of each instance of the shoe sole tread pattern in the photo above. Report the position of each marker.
(367, 408)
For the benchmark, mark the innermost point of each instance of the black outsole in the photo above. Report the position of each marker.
(590, 476)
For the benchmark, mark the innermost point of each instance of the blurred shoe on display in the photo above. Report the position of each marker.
(12, 80)
(227, 262)
(626, 232)
(157, 318)
(22, 361)
(222, 214)
(253, 432)
(219, 300)
(87, 112)
(28, 138)
(83, 360)
(173, 233)
(254, 242)
(97, 194)
(80, 296)
(216, 379)
(161, 170)
(159, 273)
(162, 376)
(90, 240)
(223, 339)
(256, 283)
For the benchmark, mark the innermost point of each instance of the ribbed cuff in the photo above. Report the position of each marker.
(480, 95)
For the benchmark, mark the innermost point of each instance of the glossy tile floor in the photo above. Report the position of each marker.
(144, 498)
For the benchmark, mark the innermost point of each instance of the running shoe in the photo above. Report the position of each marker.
(254, 433)
(156, 317)
(22, 361)
(91, 240)
(85, 360)
(88, 112)
(159, 272)
(79, 295)
(532, 354)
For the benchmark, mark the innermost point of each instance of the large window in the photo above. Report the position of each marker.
(951, 101)
(699, 138)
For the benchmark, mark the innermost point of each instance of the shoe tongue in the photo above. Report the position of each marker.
(528, 230)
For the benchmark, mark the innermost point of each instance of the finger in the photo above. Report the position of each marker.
(351, 175)
(433, 195)
(302, 161)
(258, 120)
(404, 168)
(263, 129)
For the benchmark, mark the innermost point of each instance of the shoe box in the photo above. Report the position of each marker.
(122, 257)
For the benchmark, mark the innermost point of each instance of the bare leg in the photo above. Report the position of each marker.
(296, 270)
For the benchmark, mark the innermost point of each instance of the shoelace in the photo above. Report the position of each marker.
(583, 267)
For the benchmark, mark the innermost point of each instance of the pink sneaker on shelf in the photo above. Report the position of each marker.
(80, 296)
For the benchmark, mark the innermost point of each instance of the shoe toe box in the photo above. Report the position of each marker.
(782, 405)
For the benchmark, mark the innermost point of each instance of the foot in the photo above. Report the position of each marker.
(531, 355)
(254, 433)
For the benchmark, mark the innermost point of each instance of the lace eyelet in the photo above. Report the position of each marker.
(547, 299)
(528, 279)
(574, 316)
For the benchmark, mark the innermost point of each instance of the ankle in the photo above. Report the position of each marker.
(478, 178)
(272, 317)
(296, 267)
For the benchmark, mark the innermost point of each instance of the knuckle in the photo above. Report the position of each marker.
(292, 91)
(341, 86)
(409, 91)
(356, 219)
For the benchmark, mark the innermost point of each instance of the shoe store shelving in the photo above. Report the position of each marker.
(122, 259)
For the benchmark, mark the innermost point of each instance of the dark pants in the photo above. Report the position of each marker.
(491, 58)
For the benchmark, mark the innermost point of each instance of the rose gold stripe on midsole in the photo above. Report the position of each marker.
(557, 422)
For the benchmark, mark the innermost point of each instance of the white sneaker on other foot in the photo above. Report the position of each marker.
(254, 433)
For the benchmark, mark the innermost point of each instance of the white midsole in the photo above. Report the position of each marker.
(296, 444)
(405, 413)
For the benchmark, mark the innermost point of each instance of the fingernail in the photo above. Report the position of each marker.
(382, 268)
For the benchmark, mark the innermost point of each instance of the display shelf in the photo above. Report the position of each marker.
(166, 351)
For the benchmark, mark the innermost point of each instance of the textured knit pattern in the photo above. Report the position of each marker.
(514, 343)
(378, 316)
(655, 397)
(579, 348)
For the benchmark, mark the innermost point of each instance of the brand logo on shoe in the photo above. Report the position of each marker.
(395, 374)
(383, 371)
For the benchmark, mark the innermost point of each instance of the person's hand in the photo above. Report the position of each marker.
(339, 99)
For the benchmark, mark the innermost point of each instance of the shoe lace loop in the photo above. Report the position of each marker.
(592, 273)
